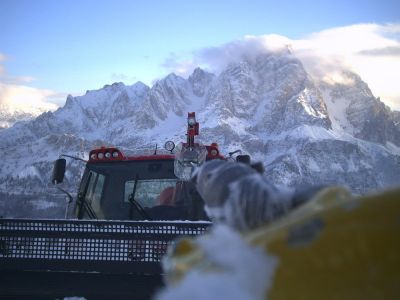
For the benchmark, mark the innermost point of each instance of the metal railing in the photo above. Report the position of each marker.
(89, 246)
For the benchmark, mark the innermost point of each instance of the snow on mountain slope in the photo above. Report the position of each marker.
(8, 119)
(10, 115)
(354, 109)
(14, 106)
(305, 131)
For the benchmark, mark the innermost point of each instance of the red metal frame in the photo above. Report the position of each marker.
(192, 131)
(122, 157)
(151, 157)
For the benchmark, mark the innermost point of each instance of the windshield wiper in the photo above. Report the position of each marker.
(89, 209)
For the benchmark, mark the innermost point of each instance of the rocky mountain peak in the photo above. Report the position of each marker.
(200, 81)
(8, 119)
(359, 112)
(139, 86)
(171, 79)
(70, 101)
(275, 88)
(115, 86)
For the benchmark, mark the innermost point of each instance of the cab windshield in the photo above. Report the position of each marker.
(151, 192)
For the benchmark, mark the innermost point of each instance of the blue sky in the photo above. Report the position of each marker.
(70, 46)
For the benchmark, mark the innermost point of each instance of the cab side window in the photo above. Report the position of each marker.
(96, 196)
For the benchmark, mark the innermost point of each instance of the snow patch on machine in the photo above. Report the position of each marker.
(222, 275)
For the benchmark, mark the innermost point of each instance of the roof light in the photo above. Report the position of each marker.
(103, 153)
(214, 152)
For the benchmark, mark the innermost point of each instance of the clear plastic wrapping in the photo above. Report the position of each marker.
(239, 196)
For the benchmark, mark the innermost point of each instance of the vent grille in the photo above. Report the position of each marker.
(89, 242)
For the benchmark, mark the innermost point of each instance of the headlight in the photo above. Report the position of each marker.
(115, 154)
(107, 155)
(214, 152)
(100, 155)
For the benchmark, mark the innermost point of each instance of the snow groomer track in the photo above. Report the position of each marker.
(84, 253)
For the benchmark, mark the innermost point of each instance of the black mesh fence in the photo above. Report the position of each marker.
(71, 245)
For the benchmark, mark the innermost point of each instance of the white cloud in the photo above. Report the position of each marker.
(181, 68)
(16, 96)
(371, 50)
(26, 99)
(126, 79)
(179, 64)
(2, 70)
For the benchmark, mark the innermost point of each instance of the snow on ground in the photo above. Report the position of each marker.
(228, 277)
(174, 126)
(307, 132)
(44, 204)
(393, 149)
(312, 133)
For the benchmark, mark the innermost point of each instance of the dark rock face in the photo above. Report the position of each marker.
(372, 120)
(200, 81)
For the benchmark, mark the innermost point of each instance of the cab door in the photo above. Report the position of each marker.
(90, 196)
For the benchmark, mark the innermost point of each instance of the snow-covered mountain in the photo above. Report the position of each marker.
(10, 117)
(10, 112)
(306, 131)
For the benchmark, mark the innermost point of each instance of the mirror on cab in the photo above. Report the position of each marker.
(58, 171)
(243, 159)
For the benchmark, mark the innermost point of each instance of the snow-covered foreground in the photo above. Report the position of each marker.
(242, 272)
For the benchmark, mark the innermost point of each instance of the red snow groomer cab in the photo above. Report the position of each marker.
(115, 186)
